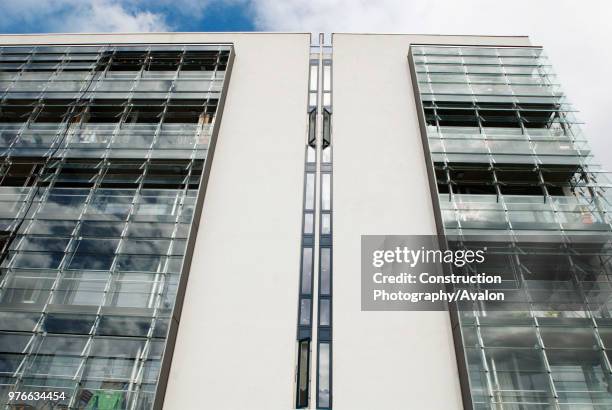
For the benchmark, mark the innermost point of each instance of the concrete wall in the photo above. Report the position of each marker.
(384, 360)
(236, 341)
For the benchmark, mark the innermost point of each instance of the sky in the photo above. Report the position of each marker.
(575, 34)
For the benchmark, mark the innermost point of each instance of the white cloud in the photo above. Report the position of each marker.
(574, 34)
(81, 16)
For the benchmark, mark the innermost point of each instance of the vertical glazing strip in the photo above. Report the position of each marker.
(316, 287)
(305, 305)
(325, 288)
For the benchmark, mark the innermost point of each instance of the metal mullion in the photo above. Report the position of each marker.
(212, 80)
(72, 236)
(525, 131)
(97, 79)
(322, 171)
(73, 239)
(477, 312)
(57, 71)
(594, 195)
(28, 203)
(524, 285)
(548, 198)
(165, 109)
(517, 112)
(127, 108)
(18, 75)
(25, 125)
(70, 127)
(589, 311)
(36, 109)
(91, 74)
(64, 127)
(496, 182)
(60, 271)
(93, 330)
(446, 161)
(99, 177)
(128, 103)
(500, 196)
(160, 289)
(94, 75)
(439, 130)
(304, 331)
(103, 73)
(113, 267)
(451, 196)
(161, 285)
(483, 132)
(483, 355)
(316, 270)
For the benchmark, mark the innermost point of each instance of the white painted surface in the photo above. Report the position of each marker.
(383, 360)
(236, 341)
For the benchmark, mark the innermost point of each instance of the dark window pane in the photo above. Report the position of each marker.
(303, 371)
(38, 260)
(97, 246)
(131, 263)
(88, 261)
(305, 311)
(102, 229)
(18, 321)
(59, 228)
(307, 271)
(13, 342)
(124, 326)
(324, 312)
(67, 323)
(325, 271)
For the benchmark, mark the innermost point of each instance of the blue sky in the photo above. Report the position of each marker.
(574, 34)
(35, 16)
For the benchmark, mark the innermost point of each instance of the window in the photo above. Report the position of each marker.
(102, 149)
(325, 279)
(326, 192)
(308, 223)
(323, 376)
(303, 374)
(324, 312)
(69, 323)
(307, 256)
(305, 312)
(309, 191)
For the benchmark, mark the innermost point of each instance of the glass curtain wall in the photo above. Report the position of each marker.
(508, 158)
(102, 151)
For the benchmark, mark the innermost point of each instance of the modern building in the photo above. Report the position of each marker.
(181, 218)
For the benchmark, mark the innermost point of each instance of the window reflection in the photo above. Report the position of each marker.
(99, 190)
